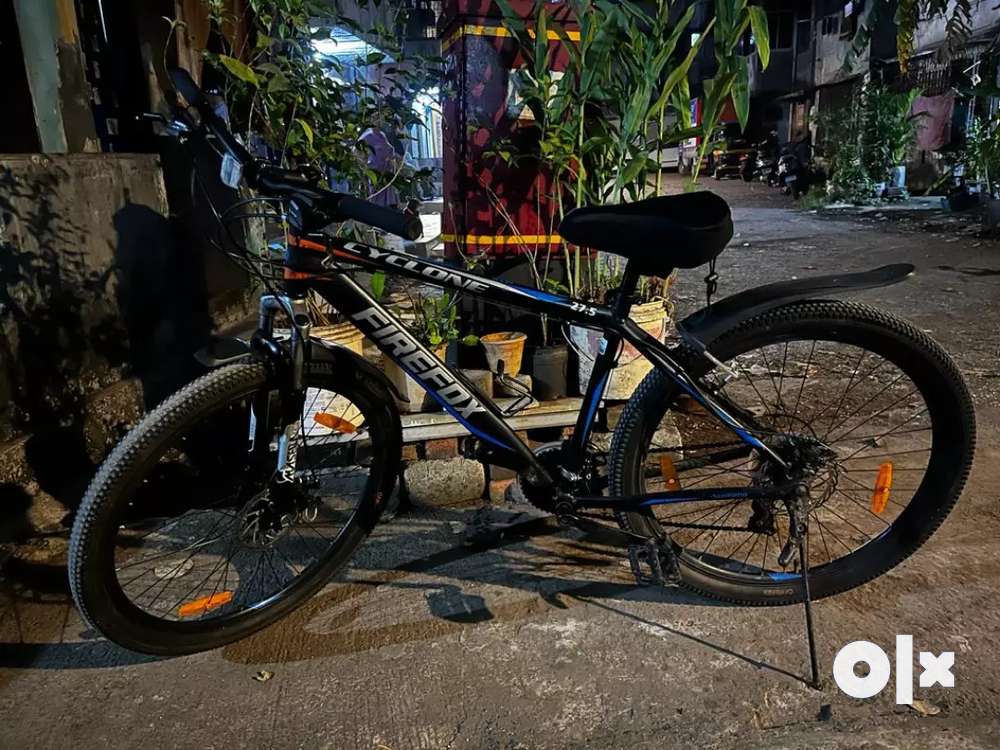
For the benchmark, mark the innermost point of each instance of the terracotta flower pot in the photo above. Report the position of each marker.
(504, 347)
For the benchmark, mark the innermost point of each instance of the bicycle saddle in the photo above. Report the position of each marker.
(655, 234)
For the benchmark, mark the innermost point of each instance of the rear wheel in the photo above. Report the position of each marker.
(842, 388)
(187, 540)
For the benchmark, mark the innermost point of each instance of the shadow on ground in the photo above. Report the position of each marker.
(532, 568)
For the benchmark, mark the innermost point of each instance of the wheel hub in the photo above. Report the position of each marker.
(271, 513)
(810, 465)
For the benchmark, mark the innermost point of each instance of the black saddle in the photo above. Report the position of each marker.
(657, 235)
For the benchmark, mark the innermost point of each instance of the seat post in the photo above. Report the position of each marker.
(625, 293)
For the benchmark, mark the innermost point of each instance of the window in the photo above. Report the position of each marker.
(781, 28)
(848, 26)
(803, 30)
(831, 24)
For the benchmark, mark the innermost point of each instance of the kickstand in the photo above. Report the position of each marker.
(810, 630)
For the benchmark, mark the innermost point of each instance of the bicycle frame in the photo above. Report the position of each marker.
(318, 264)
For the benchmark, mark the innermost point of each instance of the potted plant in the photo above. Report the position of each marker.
(434, 322)
(599, 121)
(652, 312)
(981, 157)
(506, 347)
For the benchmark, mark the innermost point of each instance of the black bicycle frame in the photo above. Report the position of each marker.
(319, 264)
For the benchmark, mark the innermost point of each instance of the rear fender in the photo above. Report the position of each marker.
(700, 329)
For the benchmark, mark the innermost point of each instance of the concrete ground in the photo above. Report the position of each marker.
(543, 641)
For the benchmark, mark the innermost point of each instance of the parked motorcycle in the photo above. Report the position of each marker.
(795, 170)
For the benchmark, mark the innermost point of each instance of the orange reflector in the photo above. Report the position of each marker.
(669, 473)
(333, 422)
(205, 604)
(883, 484)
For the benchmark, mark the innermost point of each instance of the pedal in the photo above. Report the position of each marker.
(653, 564)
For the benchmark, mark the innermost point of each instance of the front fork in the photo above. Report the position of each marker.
(292, 396)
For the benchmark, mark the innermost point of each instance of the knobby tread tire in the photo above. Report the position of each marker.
(656, 392)
(131, 458)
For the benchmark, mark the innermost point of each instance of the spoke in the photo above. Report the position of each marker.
(753, 546)
(753, 385)
(822, 536)
(747, 538)
(781, 376)
(246, 584)
(867, 536)
(192, 590)
(767, 366)
(868, 490)
(850, 550)
(887, 432)
(193, 548)
(722, 521)
(863, 507)
(894, 430)
(805, 375)
(715, 521)
(850, 416)
(722, 471)
(851, 385)
(702, 508)
(879, 455)
(763, 557)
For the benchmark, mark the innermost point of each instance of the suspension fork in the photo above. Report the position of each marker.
(292, 395)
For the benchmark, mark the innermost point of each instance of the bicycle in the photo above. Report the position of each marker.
(755, 464)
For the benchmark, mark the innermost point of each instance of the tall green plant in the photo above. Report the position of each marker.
(888, 129)
(981, 153)
(865, 139)
(733, 18)
(306, 107)
(624, 94)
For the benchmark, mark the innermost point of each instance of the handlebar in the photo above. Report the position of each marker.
(321, 207)
(400, 224)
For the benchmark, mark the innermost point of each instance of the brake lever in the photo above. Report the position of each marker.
(174, 128)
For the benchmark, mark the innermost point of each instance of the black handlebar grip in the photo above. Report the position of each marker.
(394, 222)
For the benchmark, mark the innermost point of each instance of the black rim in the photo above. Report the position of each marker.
(201, 584)
(924, 473)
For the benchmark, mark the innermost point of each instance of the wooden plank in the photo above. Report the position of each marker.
(561, 413)
(440, 425)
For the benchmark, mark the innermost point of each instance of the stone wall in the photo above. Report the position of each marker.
(103, 300)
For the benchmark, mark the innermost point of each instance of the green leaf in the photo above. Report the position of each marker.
(741, 91)
(277, 84)
(306, 130)
(681, 71)
(470, 340)
(758, 24)
(378, 284)
(239, 69)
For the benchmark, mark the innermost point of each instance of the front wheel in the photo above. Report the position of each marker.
(188, 539)
(872, 414)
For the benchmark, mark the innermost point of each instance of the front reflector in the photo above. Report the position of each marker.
(205, 604)
(883, 485)
(669, 473)
(333, 422)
